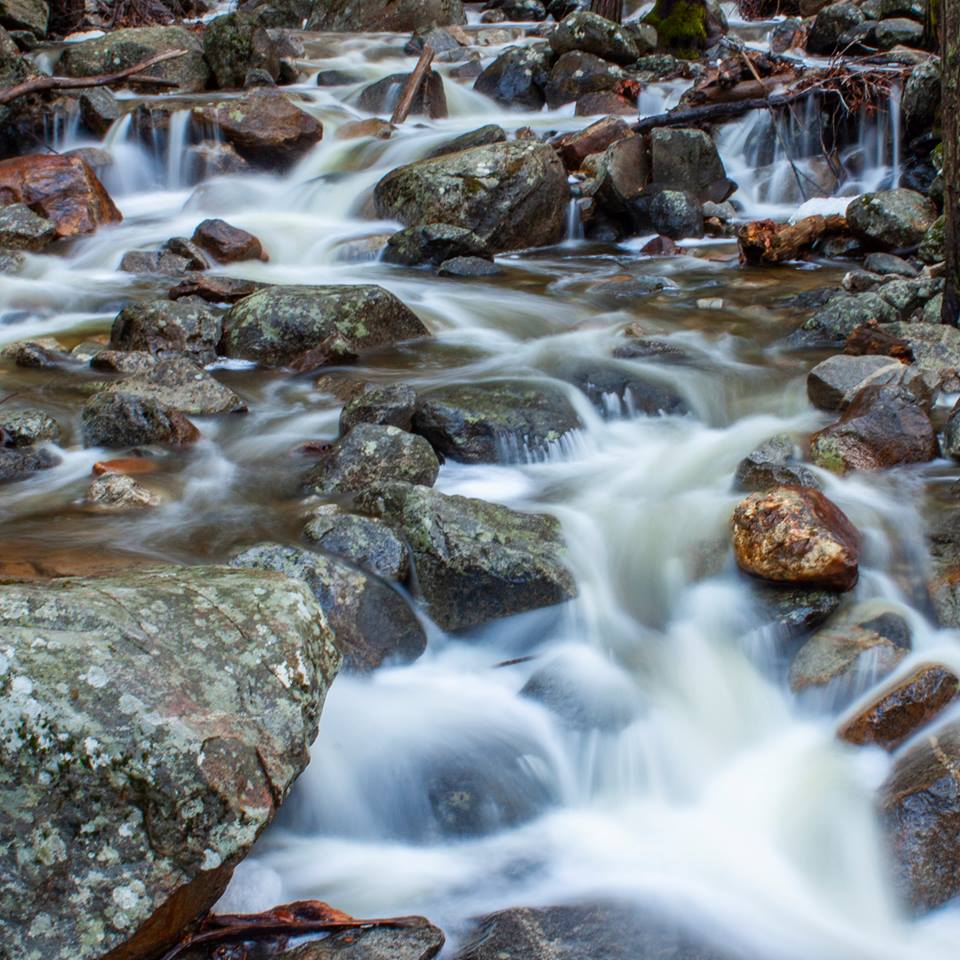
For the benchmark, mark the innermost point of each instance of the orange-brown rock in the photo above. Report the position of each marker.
(63, 189)
(899, 711)
(574, 147)
(131, 466)
(226, 243)
(796, 535)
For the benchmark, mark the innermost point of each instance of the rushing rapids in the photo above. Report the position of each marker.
(644, 741)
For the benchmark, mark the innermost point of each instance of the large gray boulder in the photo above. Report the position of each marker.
(591, 33)
(577, 74)
(494, 422)
(124, 48)
(311, 326)
(151, 724)
(511, 195)
(371, 622)
(687, 159)
(475, 561)
(402, 16)
(831, 23)
(891, 218)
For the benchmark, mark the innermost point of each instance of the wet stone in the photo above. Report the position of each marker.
(22, 229)
(164, 327)
(891, 218)
(432, 243)
(19, 463)
(365, 542)
(116, 419)
(469, 268)
(794, 610)
(481, 137)
(22, 428)
(834, 383)
(773, 464)
(118, 492)
(123, 361)
(517, 78)
(416, 939)
(576, 74)
(887, 263)
(391, 405)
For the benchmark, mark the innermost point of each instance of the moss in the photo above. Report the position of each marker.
(681, 26)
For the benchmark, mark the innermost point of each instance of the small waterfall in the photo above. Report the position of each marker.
(177, 160)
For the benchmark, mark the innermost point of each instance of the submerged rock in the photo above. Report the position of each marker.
(510, 195)
(475, 561)
(143, 757)
(901, 710)
(312, 326)
(116, 491)
(371, 623)
(371, 454)
(117, 419)
(164, 327)
(797, 536)
(494, 422)
(18, 464)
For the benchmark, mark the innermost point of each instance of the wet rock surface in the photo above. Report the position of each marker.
(119, 419)
(126, 714)
(365, 542)
(161, 328)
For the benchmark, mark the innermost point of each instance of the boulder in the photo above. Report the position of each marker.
(935, 348)
(921, 99)
(886, 264)
(793, 611)
(511, 195)
(123, 361)
(63, 189)
(118, 492)
(622, 174)
(834, 383)
(773, 464)
(494, 422)
(99, 110)
(363, 541)
(576, 74)
(845, 659)
(481, 137)
(143, 756)
(413, 939)
(883, 427)
(312, 326)
(382, 96)
(686, 29)
(23, 428)
(234, 44)
(469, 267)
(116, 419)
(590, 33)
(18, 464)
(399, 16)
(22, 229)
(263, 126)
(371, 454)
(920, 815)
(179, 384)
(831, 23)
(30, 15)
(605, 103)
(165, 327)
(933, 246)
(226, 243)
(797, 536)
(391, 405)
(522, 11)
(475, 561)
(687, 159)
(898, 712)
(670, 213)
(120, 49)
(891, 218)
(895, 32)
(432, 243)
(371, 623)
(832, 324)
(518, 77)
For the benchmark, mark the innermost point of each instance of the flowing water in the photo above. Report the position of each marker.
(704, 787)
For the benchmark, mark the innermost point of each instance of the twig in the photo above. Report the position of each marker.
(40, 84)
(413, 84)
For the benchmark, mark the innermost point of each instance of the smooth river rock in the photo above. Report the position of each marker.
(151, 724)
(163, 327)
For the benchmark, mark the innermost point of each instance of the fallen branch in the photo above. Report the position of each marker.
(764, 241)
(289, 920)
(40, 84)
(412, 86)
(715, 112)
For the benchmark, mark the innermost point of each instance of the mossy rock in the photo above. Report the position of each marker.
(682, 26)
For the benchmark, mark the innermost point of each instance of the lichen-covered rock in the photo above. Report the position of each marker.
(116, 419)
(933, 246)
(494, 422)
(576, 74)
(63, 189)
(883, 427)
(773, 464)
(119, 49)
(901, 710)
(518, 77)
(391, 405)
(891, 218)
(796, 535)
(414, 939)
(117, 491)
(401, 16)
(144, 745)
(371, 622)
(936, 351)
(834, 383)
(475, 561)
(832, 324)
(19, 463)
(920, 813)
(591, 33)
(262, 125)
(432, 243)
(370, 454)
(23, 428)
(364, 541)
(179, 384)
(511, 195)
(847, 658)
(311, 326)
(164, 327)
(22, 229)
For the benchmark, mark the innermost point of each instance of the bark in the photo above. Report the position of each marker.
(413, 84)
(949, 27)
(611, 9)
(764, 241)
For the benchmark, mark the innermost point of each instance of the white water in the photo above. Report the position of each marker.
(712, 791)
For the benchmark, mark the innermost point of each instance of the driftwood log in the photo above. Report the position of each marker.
(764, 241)
(412, 86)
(41, 84)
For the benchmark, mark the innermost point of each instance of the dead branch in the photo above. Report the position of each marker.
(412, 86)
(764, 241)
(289, 920)
(40, 84)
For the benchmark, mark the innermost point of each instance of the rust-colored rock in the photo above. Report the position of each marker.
(63, 189)
(796, 535)
(901, 710)
(131, 466)
(574, 147)
(215, 289)
(226, 243)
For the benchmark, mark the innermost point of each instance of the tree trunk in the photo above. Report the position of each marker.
(949, 27)
(611, 9)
